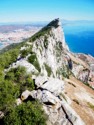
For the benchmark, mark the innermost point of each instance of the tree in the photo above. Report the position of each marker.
(29, 113)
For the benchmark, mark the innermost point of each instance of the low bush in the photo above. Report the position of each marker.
(29, 113)
(91, 105)
(34, 61)
(76, 101)
(21, 78)
(48, 69)
(25, 52)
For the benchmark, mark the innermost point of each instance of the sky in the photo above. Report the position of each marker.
(45, 10)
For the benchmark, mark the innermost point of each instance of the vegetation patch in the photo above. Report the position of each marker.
(45, 42)
(54, 23)
(64, 97)
(76, 101)
(9, 57)
(19, 77)
(90, 105)
(26, 51)
(48, 69)
(42, 32)
(64, 71)
(29, 113)
(34, 61)
(58, 49)
(8, 93)
(12, 84)
(72, 84)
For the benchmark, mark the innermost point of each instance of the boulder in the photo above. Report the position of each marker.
(55, 116)
(49, 98)
(1, 114)
(36, 94)
(40, 80)
(54, 85)
(25, 95)
(18, 101)
(45, 97)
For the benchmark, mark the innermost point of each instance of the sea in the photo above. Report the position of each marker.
(80, 37)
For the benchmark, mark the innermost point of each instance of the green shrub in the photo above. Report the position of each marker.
(91, 105)
(25, 52)
(42, 32)
(58, 49)
(64, 97)
(21, 78)
(16, 74)
(34, 61)
(8, 93)
(8, 57)
(48, 69)
(1, 74)
(45, 42)
(65, 72)
(32, 58)
(26, 114)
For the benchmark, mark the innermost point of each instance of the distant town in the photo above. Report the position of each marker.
(16, 33)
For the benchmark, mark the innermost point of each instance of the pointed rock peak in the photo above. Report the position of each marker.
(45, 30)
(55, 23)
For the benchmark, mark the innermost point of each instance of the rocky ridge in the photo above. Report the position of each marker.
(51, 67)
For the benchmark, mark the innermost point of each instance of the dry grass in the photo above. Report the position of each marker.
(79, 104)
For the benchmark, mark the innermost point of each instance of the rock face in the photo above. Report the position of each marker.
(58, 86)
(48, 83)
(87, 75)
(49, 48)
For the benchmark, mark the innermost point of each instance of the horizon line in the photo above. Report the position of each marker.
(41, 21)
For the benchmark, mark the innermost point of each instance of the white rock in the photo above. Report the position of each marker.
(54, 85)
(1, 114)
(49, 97)
(36, 94)
(18, 101)
(45, 96)
(27, 65)
(40, 80)
(25, 95)
(72, 115)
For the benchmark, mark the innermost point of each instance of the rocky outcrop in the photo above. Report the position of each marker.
(89, 73)
(58, 110)
(53, 85)
(49, 48)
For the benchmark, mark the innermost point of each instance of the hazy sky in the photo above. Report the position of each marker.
(44, 10)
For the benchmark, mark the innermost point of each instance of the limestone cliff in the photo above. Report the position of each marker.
(50, 48)
(53, 54)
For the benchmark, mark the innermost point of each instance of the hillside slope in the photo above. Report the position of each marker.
(50, 66)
